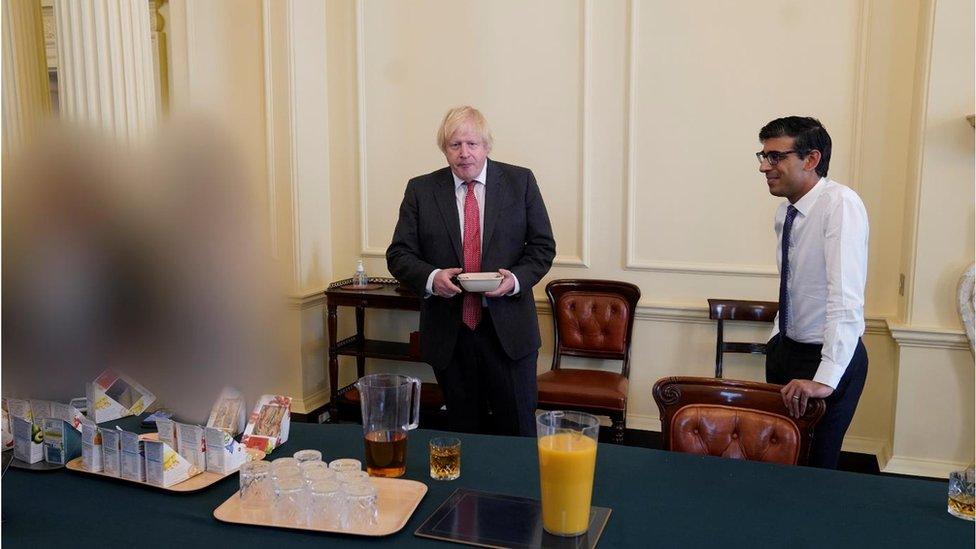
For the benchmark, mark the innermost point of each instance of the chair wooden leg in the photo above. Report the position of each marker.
(618, 424)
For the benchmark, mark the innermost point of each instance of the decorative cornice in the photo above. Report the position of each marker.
(928, 337)
(876, 326)
(307, 299)
(698, 314)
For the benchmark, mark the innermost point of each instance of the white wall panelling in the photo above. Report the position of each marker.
(640, 120)
(919, 117)
(372, 189)
(690, 135)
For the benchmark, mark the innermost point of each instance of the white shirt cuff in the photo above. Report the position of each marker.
(517, 287)
(430, 283)
(829, 374)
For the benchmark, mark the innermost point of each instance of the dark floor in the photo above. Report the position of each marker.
(849, 461)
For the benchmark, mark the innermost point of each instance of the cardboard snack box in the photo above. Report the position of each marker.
(224, 454)
(111, 451)
(229, 413)
(133, 456)
(268, 425)
(192, 445)
(62, 443)
(164, 466)
(91, 447)
(28, 439)
(113, 396)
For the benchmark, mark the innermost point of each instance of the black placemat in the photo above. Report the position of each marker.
(497, 520)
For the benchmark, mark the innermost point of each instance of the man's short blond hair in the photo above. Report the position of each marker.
(464, 116)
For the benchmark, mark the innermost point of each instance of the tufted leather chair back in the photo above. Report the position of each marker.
(733, 419)
(593, 321)
(593, 318)
(712, 430)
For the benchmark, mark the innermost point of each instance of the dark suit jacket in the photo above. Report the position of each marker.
(517, 236)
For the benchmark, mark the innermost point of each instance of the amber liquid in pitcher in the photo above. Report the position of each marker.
(386, 453)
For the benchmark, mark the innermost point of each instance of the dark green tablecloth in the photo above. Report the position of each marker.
(658, 499)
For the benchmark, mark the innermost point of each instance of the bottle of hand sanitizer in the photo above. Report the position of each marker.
(360, 279)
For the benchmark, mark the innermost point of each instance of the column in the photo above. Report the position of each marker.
(107, 77)
(26, 97)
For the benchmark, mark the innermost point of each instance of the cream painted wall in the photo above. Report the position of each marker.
(223, 54)
(933, 428)
(640, 120)
(699, 98)
(522, 60)
(638, 149)
(886, 113)
(946, 205)
(933, 423)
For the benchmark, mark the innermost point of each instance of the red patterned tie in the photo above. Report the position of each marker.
(471, 311)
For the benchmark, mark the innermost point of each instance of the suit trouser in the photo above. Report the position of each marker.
(485, 390)
(787, 360)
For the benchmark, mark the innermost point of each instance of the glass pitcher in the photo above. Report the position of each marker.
(391, 407)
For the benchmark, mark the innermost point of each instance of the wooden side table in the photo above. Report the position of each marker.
(382, 293)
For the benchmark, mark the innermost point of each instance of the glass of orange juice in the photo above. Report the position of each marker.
(567, 459)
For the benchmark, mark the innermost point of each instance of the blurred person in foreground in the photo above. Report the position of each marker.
(142, 259)
(822, 234)
(476, 215)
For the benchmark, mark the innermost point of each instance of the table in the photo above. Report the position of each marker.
(386, 296)
(658, 499)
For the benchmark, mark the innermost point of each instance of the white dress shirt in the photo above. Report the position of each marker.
(828, 269)
(461, 194)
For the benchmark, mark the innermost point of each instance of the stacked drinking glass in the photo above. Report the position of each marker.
(304, 491)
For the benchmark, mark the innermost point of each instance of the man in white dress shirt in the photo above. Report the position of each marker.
(822, 232)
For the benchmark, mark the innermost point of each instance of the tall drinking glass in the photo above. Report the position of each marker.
(567, 460)
(256, 491)
(302, 456)
(361, 508)
(289, 503)
(325, 505)
(346, 464)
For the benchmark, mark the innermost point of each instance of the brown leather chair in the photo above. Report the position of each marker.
(731, 309)
(733, 419)
(592, 319)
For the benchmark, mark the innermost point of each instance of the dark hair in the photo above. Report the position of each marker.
(808, 134)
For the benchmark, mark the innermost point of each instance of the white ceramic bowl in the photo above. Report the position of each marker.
(480, 282)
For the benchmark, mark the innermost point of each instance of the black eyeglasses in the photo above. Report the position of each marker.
(773, 157)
